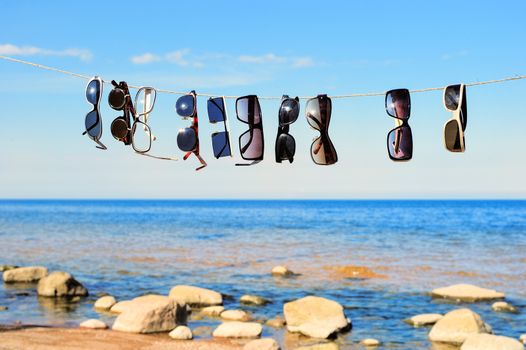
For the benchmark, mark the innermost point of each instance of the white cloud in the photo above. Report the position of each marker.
(452, 55)
(145, 58)
(178, 57)
(14, 50)
(268, 58)
(302, 62)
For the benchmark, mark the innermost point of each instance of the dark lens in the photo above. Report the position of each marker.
(464, 110)
(323, 154)
(117, 99)
(400, 143)
(247, 109)
(251, 144)
(187, 139)
(93, 91)
(119, 128)
(452, 97)
(398, 103)
(141, 137)
(289, 111)
(312, 112)
(185, 106)
(220, 144)
(93, 124)
(286, 146)
(216, 110)
(452, 136)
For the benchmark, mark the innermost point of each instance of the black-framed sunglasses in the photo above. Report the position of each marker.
(399, 139)
(289, 111)
(119, 99)
(93, 120)
(188, 138)
(251, 142)
(220, 140)
(455, 101)
(318, 111)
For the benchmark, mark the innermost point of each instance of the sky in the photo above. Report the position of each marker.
(267, 48)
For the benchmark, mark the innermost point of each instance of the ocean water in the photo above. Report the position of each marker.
(380, 259)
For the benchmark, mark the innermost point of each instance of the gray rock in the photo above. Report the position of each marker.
(276, 322)
(7, 267)
(253, 300)
(105, 303)
(456, 326)
(3, 308)
(24, 274)
(235, 329)
(212, 311)
(490, 342)
(181, 333)
(196, 296)
(370, 342)
(235, 315)
(60, 284)
(93, 324)
(262, 344)
(466, 293)
(423, 320)
(502, 306)
(281, 271)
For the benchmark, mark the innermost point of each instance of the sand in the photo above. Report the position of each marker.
(43, 338)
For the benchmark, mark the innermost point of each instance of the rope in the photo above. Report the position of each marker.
(370, 94)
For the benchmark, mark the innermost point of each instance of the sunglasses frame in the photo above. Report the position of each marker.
(128, 109)
(251, 127)
(96, 108)
(323, 130)
(283, 129)
(195, 127)
(226, 125)
(399, 124)
(458, 116)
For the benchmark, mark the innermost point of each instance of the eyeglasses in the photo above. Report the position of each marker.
(93, 120)
(188, 138)
(251, 142)
(455, 101)
(318, 113)
(141, 133)
(119, 99)
(289, 111)
(220, 140)
(400, 139)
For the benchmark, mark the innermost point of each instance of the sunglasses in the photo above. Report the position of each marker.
(119, 99)
(455, 101)
(220, 140)
(400, 139)
(188, 138)
(251, 142)
(93, 120)
(318, 113)
(289, 111)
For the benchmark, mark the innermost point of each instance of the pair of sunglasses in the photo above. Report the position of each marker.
(119, 99)
(455, 101)
(188, 138)
(93, 120)
(399, 139)
(289, 111)
(221, 139)
(251, 142)
(318, 113)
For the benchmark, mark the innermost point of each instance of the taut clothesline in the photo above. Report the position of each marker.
(85, 77)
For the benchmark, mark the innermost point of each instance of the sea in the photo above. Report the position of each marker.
(380, 259)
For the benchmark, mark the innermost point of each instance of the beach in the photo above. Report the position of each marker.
(379, 260)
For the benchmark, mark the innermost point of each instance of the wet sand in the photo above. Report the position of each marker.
(46, 338)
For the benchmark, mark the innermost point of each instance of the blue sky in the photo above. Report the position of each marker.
(265, 48)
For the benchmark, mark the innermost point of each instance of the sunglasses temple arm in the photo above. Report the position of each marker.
(202, 162)
(100, 145)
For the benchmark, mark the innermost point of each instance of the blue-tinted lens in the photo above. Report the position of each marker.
(93, 124)
(216, 110)
(186, 139)
(93, 92)
(185, 106)
(220, 144)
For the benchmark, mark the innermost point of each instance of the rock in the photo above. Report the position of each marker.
(490, 342)
(60, 284)
(120, 306)
(456, 326)
(24, 274)
(3, 308)
(196, 296)
(93, 324)
(181, 333)
(315, 317)
(466, 293)
(370, 342)
(276, 322)
(522, 338)
(423, 320)
(212, 311)
(151, 314)
(281, 271)
(235, 315)
(262, 344)
(253, 300)
(235, 329)
(502, 306)
(7, 267)
(320, 346)
(105, 303)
